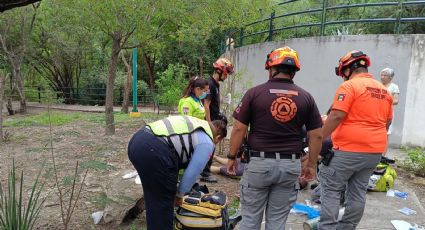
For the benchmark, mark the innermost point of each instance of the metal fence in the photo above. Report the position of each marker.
(266, 29)
(85, 96)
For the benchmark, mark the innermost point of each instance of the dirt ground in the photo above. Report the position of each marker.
(105, 157)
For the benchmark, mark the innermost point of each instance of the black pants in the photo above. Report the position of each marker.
(157, 166)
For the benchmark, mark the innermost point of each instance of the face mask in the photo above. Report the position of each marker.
(203, 95)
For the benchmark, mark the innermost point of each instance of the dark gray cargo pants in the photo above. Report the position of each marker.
(269, 185)
(346, 169)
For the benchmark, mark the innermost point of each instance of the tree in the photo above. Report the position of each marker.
(14, 40)
(118, 19)
(10, 4)
(2, 81)
(127, 84)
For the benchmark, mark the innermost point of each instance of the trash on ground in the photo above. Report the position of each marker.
(407, 211)
(403, 225)
(305, 209)
(130, 175)
(396, 193)
(402, 195)
(137, 180)
(97, 217)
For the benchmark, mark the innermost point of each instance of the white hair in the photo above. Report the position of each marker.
(388, 71)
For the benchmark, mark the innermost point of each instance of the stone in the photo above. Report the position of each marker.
(128, 201)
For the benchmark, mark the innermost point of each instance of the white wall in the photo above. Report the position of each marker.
(414, 118)
(319, 56)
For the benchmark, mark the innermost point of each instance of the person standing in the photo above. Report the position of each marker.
(191, 102)
(222, 69)
(387, 76)
(275, 111)
(360, 116)
(159, 150)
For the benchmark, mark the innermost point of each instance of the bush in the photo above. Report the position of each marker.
(415, 161)
(171, 83)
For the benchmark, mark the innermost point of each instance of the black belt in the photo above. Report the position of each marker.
(274, 155)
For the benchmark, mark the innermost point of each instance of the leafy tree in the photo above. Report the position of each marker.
(172, 82)
(15, 29)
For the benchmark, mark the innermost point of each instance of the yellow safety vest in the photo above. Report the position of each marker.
(178, 125)
(189, 106)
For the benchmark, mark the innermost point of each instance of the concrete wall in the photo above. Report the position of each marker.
(319, 56)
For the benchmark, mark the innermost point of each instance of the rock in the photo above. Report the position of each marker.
(419, 181)
(128, 201)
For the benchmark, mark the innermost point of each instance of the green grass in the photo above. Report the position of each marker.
(233, 206)
(62, 118)
(103, 200)
(42, 119)
(69, 180)
(415, 161)
(97, 165)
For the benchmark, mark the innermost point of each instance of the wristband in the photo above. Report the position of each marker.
(231, 157)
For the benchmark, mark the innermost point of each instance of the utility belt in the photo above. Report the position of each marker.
(274, 155)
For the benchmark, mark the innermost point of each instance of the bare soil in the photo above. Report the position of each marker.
(84, 142)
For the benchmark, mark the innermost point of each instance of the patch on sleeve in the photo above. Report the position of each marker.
(341, 97)
(185, 110)
(238, 109)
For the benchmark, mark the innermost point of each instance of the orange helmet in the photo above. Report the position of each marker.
(223, 65)
(283, 56)
(353, 57)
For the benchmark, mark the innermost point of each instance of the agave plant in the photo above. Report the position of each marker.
(15, 213)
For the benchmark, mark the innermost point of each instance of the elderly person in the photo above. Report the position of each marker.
(387, 76)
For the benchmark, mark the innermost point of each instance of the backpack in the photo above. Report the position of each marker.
(382, 178)
(203, 211)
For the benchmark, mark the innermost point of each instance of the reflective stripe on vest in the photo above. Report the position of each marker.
(177, 125)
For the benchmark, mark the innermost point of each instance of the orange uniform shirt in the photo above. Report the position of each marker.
(368, 105)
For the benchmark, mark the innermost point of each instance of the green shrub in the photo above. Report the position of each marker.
(14, 212)
(415, 161)
(171, 83)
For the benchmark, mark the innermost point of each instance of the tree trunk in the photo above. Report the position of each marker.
(201, 67)
(126, 97)
(109, 103)
(19, 84)
(150, 68)
(2, 79)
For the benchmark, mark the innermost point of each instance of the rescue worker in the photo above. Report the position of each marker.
(222, 69)
(361, 113)
(159, 150)
(275, 112)
(191, 102)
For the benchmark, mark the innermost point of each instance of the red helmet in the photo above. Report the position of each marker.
(223, 65)
(350, 58)
(283, 56)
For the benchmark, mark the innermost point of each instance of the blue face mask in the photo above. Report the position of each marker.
(203, 95)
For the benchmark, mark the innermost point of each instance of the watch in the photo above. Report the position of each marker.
(231, 157)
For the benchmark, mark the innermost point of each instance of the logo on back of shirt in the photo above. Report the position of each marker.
(283, 109)
(185, 110)
(341, 97)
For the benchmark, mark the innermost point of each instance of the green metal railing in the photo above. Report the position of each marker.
(269, 26)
